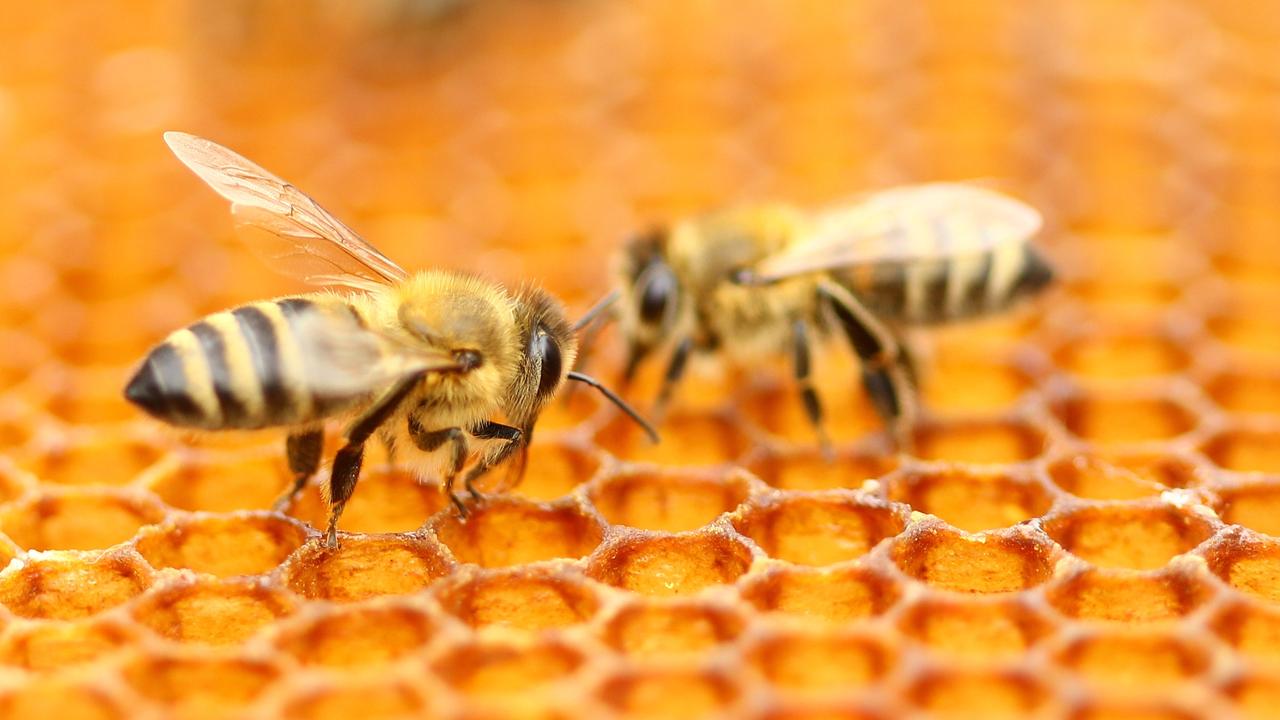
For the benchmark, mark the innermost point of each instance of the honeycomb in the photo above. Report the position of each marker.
(1086, 528)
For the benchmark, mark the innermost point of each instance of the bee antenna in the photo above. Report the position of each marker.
(622, 404)
(601, 305)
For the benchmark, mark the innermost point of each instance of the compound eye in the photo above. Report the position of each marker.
(656, 293)
(547, 351)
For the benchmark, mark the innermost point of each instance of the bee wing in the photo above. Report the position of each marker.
(905, 224)
(297, 237)
(342, 358)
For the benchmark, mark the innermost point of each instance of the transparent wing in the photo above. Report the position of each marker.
(287, 229)
(342, 358)
(905, 224)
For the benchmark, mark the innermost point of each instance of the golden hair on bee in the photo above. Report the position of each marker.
(425, 360)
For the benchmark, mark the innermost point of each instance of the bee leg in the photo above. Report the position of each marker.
(809, 395)
(346, 464)
(885, 375)
(303, 451)
(429, 440)
(675, 370)
(489, 430)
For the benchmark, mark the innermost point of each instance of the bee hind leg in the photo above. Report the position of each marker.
(808, 394)
(488, 430)
(430, 440)
(303, 452)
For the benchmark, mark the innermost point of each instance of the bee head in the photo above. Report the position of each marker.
(653, 294)
(548, 350)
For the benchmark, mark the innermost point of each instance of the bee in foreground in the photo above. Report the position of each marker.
(770, 278)
(423, 360)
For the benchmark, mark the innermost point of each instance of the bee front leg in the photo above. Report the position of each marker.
(303, 451)
(430, 440)
(808, 395)
(489, 430)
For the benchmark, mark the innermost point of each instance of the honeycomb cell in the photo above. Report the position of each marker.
(1124, 355)
(1255, 694)
(969, 381)
(978, 441)
(88, 519)
(529, 599)
(212, 612)
(1251, 335)
(819, 529)
(1129, 596)
(968, 693)
(1248, 564)
(555, 468)
(508, 531)
(100, 458)
(975, 627)
(668, 627)
(1251, 628)
(1142, 538)
(822, 661)
(1245, 450)
(223, 481)
(364, 697)
(807, 469)
(1246, 391)
(666, 500)
(677, 565)
(365, 566)
(1254, 505)
(61, 698)
(949, 560)
(68, 586)
(386, 500)
(825, 596)
(54, 645)
(495, 670)
(668, 693)
(687, 440)
(1133, 658)
(1095, 478)
(198, 686)
(1121, 419)
(357, 635)
(221, 545)
(972, 500)
(13, 481)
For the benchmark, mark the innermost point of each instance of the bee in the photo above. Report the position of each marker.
(424, 360)
(772, 278)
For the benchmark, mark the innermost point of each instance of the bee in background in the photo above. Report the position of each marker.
(423, 360)
(771, 279)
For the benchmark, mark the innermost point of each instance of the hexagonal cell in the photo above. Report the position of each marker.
(1246, 391)
(687, 440)
(1248, 564)
(664, 628)
(97, 459)
(973, 382)
(489, 670)
(972, 500)
(806, 468)
(807, 708)
(678, 565)
(1253, 335)
(87, 519)
(67, 586)
(46, 697)
(53, 645)
(829, 596)
(13, 481)
(1120, 355)
(1255, 694)
(365, 566)
(668, 693)
(968, 693)
(555, 469)
(670, 500)
(1245, 450)
(978, 441)
(90, 394)
(213, 612)
(388, 499)
(357, 635)
(528, 599)
(360, 697)
(1128, 596)
(819, 529)
(950, 560)
(200, 686)
(217, 481)
(1118, 419)
(1142, 538)
(976, 627)
(221, 545)
(1133, 658)
(509, 531)
(778, 411)
(1252, 628)
(1094, 478)
(821, 660)
(1255, 505)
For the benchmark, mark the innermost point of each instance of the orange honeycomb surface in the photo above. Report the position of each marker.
(1087, 527)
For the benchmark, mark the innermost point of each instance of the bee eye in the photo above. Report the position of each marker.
(656, 292)
(547, 351)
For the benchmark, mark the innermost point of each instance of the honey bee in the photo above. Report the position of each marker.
(423, 360)
(773, 278)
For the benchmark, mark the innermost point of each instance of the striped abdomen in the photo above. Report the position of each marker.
(949, 288)
(238, 369)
